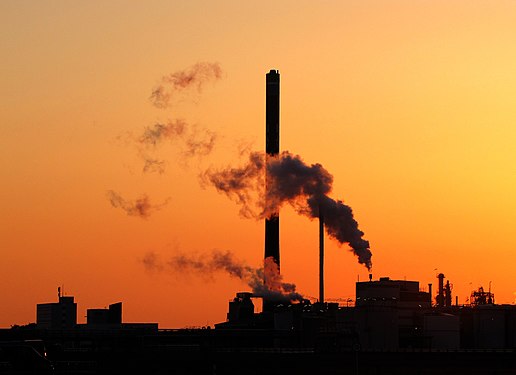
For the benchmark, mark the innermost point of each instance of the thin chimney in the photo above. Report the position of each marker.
(272, 149)
(440, 302)
(272, 102)
(321, 256)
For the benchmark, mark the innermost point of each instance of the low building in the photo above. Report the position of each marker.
(111, 316)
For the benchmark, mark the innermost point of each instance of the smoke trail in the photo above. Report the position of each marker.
(152, 262)
(195, 76)
(152, 135)
(192, 142)
(340, 225)
(200, 142)
(140, 207)
(274, 288)
(226, 262)
(245, 184)
(290, 180)
(153, 165)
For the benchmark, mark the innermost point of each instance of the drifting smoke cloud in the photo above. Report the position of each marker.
(290, 180)
(140, 207)
(153, 165)
(193, 142)
(152, 262)
(217, 261)
(241, 184)
(152, 135)
(194, 77)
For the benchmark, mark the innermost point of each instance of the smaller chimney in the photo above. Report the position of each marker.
(440, 297)
(447, 294)
(321, 257)
(430, 293)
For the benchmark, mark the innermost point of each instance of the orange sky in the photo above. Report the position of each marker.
(409, 104)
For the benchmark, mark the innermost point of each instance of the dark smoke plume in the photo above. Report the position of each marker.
(195, 76)
(191, 140)
(200, 142)
(244, 184)
(152, 262)
(140, 207)
(226, 262)
(153, 165)
(152, 135)
(290, 180)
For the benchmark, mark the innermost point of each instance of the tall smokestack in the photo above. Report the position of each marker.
(272, 149)
(272, 103)
(321, 257)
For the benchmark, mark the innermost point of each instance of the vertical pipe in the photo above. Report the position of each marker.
(440, 295)
(272, 106)
(447, 294)
(321, 257)
(430, 293)
(272, 149)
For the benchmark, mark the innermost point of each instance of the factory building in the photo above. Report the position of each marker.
(111, 316)
(488, 326)
(441, 330)
(389, 312)
(59, 315)
(388, 315)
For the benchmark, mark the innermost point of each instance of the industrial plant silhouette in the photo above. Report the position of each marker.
(393, 326)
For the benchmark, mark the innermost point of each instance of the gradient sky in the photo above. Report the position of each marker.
(409, 104)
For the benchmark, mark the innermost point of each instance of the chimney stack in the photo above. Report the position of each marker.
(272, 101)
(440, 296)
(272, 149)
(321, 257)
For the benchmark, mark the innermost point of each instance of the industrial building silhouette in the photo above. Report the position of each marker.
(392, 328)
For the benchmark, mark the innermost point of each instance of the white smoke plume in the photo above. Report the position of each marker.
(289, 180)
(225, 261)
(193, 77)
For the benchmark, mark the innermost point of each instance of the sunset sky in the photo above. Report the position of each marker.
(411, 105)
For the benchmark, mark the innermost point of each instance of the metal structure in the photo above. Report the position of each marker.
(481, 297)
